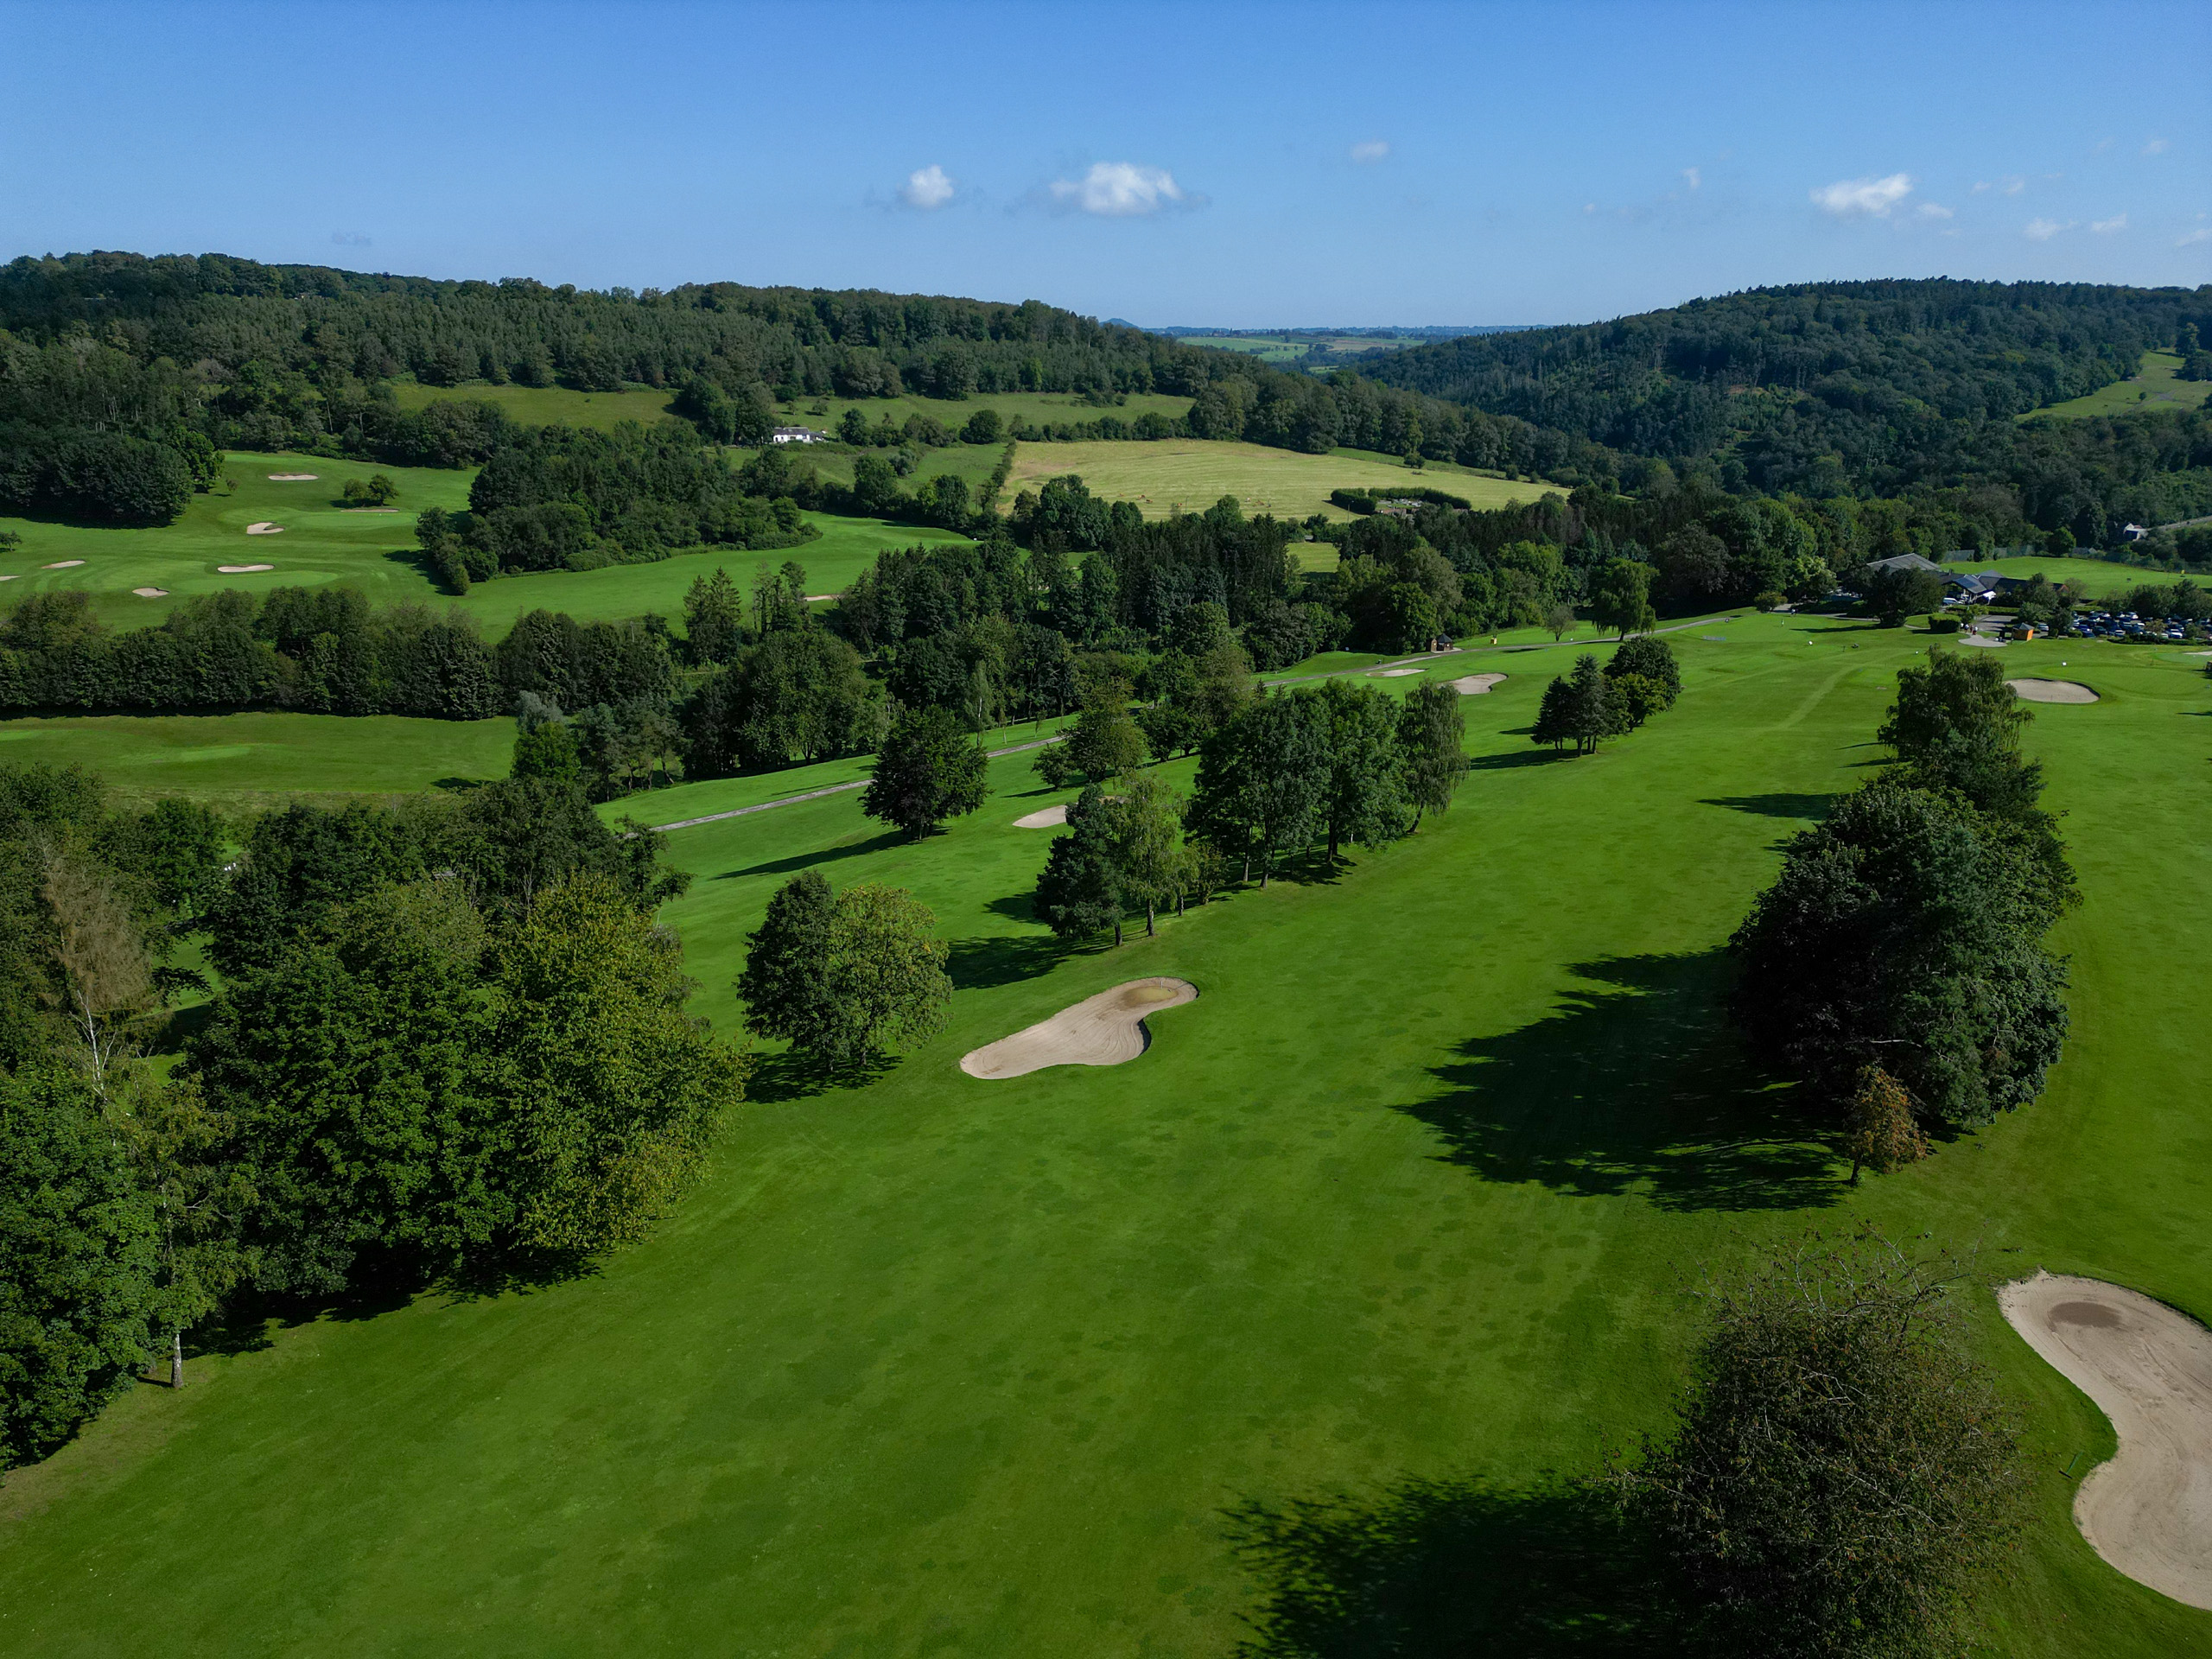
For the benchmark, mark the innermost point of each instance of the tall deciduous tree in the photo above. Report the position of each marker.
(1363, 802)
(1147, 820)
(1620, 598)
(1431, 735)
(886, 973)
(785, 984)
(1881, 1135)
(1841, 1477)
(1261, 783)
(79, 1261)
(928, 771)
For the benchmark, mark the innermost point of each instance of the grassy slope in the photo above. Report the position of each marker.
(1039, 408)
(946, 1366)
(2156, 385)
(249, 761)
(376, 552)
(547, 405)
(1194, 472)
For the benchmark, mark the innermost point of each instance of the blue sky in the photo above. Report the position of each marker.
(1246, 166)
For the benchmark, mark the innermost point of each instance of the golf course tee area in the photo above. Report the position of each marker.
(1416, 1187)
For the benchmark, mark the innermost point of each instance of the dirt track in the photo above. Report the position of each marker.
(2149, 1368)
(1102, 1030)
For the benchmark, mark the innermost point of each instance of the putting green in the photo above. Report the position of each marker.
(1414, 1188)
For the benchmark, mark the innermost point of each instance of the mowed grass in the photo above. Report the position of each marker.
(1190, 474)
(2156, 385)
(247, 762)
(547, 405)
(376, 552)
(1416, 1187)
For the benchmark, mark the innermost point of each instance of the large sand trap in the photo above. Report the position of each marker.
(2148, 1511)
(64, 564)
(1051, 817)
(151, 593)
(264, 528)
(1393, 673)
(291, 478)
(1474, 685)
(2051, 691)
(1102, 1030)
(241, 570)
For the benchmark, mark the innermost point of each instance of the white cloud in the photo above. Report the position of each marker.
(2195, 237)
(2107, 226)
(1933, 210)
(2013, 186)
(2156, 147)
(926, 188)
(1691, 174)
(1848, 197)
(1983, 185)
(1589, 206)
(1373, 150)
(1119, 189)
(2041, 229)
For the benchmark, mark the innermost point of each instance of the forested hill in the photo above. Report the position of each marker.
(1820, 386)
(212, 308)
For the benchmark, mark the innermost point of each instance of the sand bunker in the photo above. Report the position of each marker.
(151, 593)
(1102, 1030)
(1393, 673)
(1051, 817)
(2051, 691)
(264, 528)
(1474, 685)
(2148, 1511)
(291, 478)
(242, 569)
(64, 564)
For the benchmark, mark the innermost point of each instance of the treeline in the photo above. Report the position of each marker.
(1862, 388)
(558, 497)
(1896, 965)
(320, 650)
(449, 1041)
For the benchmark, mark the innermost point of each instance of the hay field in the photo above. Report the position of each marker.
(1190, 474)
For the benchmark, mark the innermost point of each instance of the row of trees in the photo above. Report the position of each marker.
(1896, 965)
(323, 651)
(448, 1039)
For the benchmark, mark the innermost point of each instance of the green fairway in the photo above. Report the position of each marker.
(1190, 474)
(2156, 385)
(322, 543)
(939, 1366)
(243, 762)
(546, 405)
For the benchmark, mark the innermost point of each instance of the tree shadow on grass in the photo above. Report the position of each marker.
(1440, 1569)
(1531, 756)
(1813, 807)
(807, 860)
(978, 963)
(1642, 1085)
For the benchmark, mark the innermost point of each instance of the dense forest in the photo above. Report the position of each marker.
(1862, 388)
(116, 363)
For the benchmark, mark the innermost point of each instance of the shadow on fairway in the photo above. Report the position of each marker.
(977, 963)
(809, 861)
(1811, 807)
(1642, 1084)
(1527, 757)
(1440, 1569)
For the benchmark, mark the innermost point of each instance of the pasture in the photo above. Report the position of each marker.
(1038, 408)
(1190, 474)
(321, 542)
(2156, 385)
(1415, 1187)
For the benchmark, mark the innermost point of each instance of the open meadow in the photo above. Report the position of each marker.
(1414, 1188)
(2156, 385)
(321, 542)
(1190, 474)
(546, 405)
(1038, 408)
